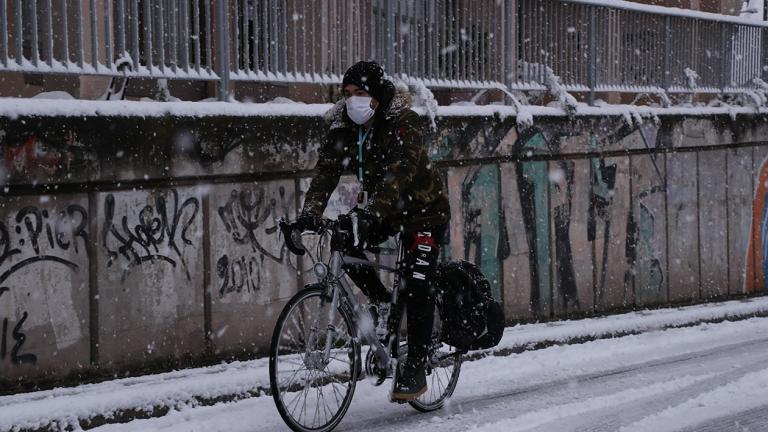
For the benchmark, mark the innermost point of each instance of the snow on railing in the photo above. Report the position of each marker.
(439, 43)
(604, 45)
(590, 45)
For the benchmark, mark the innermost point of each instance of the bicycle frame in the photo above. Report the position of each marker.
(341, 292)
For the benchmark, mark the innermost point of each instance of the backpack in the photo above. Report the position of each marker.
(471, 318)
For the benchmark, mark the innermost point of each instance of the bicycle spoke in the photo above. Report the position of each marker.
(326, 411)
(317, 411)
(292, 379)
(336, 393)
(295, 401)
(340, 360)
(298, 343)
(304, 405)
(321, 397)
(293, 362)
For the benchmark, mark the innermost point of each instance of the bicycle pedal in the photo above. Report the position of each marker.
(380, 376)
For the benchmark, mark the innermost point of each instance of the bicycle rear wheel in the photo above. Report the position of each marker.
(312, 392)
(443, 368)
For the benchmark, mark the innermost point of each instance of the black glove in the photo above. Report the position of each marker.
(308, 222)
(363, 216)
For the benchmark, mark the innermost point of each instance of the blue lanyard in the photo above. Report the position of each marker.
(360, 140)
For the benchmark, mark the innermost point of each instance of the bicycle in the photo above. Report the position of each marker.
(316, 344)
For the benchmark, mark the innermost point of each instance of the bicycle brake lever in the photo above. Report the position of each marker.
(355, 228)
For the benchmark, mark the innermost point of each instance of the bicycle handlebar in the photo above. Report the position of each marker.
(293, 239)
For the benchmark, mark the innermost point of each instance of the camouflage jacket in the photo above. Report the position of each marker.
(404, 189)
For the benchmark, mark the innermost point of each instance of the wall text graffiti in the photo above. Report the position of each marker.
(158, 235)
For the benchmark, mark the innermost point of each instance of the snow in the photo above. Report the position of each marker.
(586, 110)
(748, 392)
(662, 10)
(65, 405)
(56, 95)
(424, 99)
(753, 10)
(283, 100)
(633, 322)
(507, 390)
(17, 107)
(691, 77)
(541, 417)
(237, 380)
(567, 102)
(13, 107)
(524, 119)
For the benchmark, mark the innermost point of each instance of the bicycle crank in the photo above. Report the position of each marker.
(373, 369)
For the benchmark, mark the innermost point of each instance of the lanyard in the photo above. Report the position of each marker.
(360, 141)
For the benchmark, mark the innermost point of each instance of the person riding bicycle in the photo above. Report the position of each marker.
(374, 133)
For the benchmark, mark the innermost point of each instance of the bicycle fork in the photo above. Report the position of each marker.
(367, 333)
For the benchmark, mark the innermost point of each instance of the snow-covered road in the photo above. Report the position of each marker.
(710, 377)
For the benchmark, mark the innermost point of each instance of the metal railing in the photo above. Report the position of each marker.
(512, 44)
(156, 38)
(620, 46)
(437, 41)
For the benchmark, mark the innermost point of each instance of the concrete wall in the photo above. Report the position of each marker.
(135, 243)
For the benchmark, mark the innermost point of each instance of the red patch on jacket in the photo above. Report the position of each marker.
(420, 239)
(401, 131)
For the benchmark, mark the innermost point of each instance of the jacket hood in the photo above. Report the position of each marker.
(337, 117)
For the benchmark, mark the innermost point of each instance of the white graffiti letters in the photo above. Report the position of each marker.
(422, 238)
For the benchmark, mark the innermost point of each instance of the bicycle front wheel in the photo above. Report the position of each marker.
(314, 362)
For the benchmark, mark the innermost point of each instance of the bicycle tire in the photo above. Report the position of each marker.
(299, 386)
(438, 391)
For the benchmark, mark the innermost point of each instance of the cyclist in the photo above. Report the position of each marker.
(374, 133)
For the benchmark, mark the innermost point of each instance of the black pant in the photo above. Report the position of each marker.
(420, 258)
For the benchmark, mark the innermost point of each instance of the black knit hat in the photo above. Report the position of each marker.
(369, 76)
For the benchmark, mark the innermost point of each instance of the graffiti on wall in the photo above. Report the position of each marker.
(35, 235)
(482, 226)
(485, 241)
(32, 154)
(39, 234)
(12, 338)
(250, 218)
(601, 196)
(641, 252)
(561, 178)
(532, 179)
(757, 252)
(158, 234)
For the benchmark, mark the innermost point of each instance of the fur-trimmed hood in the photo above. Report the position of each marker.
(337, 117)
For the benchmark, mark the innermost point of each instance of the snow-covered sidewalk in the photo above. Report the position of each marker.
(154, 395)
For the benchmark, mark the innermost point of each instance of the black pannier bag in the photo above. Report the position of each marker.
(472, 318)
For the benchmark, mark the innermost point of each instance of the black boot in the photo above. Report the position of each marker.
(410, 382)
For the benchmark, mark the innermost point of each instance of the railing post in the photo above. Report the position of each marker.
(724, 73)
(764, 53)
(389, 33)
(592, 78)
(510, 51)
(667, 73)
(222, 46)
(4, 32)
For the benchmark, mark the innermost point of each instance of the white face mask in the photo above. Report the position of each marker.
(359, 109)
